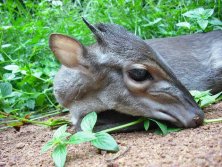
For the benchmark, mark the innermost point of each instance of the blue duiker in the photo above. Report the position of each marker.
(122, 75)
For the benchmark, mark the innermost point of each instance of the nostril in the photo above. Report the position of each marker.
(198, 120)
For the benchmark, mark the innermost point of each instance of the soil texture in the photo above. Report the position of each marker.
(199, 147)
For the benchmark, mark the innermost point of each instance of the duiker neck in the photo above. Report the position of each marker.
(195, 59)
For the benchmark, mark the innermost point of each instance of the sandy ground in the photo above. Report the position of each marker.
(200, 147)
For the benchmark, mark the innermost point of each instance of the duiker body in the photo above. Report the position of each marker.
(195, 59)
(126, 74)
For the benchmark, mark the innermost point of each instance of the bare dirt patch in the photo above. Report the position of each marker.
(191, 147)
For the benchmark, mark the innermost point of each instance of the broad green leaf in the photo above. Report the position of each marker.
(183, 24)
(202, 23)
(162, 126)
(40, 99)
(219, 98)
(196, 100)
(81, 137)
(48, 145)
(30, 104)
(6, 107)
(146, 124)
(57, 3)
(196, 13)
(169, 130)
(60, 131)
(198, 94)
(207, 13)
(104, 141)
(6, 45)
(12, 67)
(217, 95)
(15, 94)
(8, 76)
(89, 121)
(6, 27)
(5, 89)
(194, 93)
(199, 11)
(215, 21)
(59, 155)
(207, 100)
(65, 135)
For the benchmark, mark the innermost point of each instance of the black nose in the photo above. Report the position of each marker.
(199, 118)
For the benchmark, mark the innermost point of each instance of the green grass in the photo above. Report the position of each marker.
(27, 66)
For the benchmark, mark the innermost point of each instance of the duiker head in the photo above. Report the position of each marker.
(120, 72)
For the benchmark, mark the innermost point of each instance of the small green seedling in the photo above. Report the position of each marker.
(61, 139)
(101, 140)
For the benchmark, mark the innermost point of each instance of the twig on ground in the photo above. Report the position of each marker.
(118, 155)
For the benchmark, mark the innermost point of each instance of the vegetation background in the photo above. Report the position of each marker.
(27, 66)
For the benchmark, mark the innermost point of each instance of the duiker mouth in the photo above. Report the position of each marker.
(111, 118)
(189, 120)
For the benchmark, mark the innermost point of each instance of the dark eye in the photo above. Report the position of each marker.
(139, 74)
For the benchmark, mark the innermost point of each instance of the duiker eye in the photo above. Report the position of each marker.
(139, 74)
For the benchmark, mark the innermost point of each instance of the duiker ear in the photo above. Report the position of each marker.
(66, 49)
